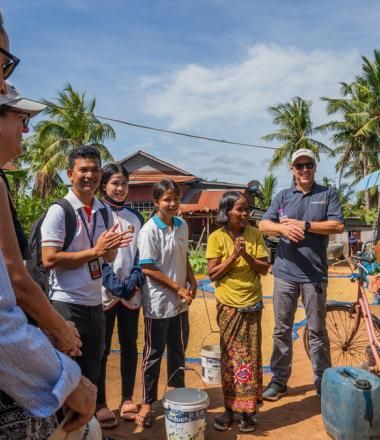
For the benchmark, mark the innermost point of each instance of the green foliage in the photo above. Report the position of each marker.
(295, 130)
(267, 190)
(356, 133)
(145, 215)
(198, 261)
(367, 215)
(71, 123)
(30, 206)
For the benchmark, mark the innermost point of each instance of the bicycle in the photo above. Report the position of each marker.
(351, 326)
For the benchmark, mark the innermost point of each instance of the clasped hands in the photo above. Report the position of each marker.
(293, 229)
(239, 247)
(188, 293)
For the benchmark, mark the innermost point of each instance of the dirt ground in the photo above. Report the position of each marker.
(295, 416)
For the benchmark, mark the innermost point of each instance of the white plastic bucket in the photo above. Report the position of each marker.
(211, 364)
(185, 413)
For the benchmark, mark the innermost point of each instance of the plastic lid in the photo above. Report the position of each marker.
(186, 396)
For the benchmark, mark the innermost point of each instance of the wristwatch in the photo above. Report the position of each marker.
(307, 226)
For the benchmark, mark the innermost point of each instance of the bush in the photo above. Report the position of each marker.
(30, 207)
(198, 261)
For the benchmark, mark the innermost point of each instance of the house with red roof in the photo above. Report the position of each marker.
(200, 198)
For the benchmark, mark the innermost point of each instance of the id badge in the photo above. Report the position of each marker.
(94, 267)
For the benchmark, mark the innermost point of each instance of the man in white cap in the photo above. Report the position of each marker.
(303, 215)
(33, 374)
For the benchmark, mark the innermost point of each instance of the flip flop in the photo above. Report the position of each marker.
(106, 418)
(128, 410)
(224, 421)
(147, 420)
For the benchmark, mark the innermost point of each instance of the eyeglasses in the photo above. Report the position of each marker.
(301, 165)
(25, 119)
(10, 65)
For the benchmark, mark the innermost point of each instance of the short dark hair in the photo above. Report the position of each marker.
(109, 170)
(227, 202)
(84, 152)
(164, 185)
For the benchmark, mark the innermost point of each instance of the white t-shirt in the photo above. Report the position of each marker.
(167, 249)
(74, 285)
(124, 217)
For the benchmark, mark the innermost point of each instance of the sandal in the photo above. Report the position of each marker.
(106, 418)
(128, 410)
(144, 420)
(224, 421)
(247, 423)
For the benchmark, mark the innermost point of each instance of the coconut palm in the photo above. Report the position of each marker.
(71, 123)
(296, 131)
(267, 190)
(357, 133)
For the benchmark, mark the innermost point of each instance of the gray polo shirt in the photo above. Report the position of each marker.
(305, 261)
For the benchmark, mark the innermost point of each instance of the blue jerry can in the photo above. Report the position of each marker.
(350, 404)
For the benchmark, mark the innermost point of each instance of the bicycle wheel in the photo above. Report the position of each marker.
(340, 321)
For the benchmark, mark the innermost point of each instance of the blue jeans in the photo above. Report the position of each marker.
(285, 297)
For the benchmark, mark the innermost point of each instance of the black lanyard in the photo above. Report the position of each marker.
(91, 239)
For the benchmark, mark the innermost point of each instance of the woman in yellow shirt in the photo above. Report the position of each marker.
(237, 256)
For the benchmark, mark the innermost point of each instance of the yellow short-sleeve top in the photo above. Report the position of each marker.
(240, 287)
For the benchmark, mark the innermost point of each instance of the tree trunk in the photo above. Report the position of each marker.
(365, 173)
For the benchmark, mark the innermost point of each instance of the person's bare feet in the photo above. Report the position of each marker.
(128, 410)
(144, 417)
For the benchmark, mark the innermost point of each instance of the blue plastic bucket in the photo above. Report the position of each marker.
(350, 403)
(185, 413)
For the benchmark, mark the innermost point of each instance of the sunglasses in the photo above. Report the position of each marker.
(25, 119)
(301, 165)
(10, 65)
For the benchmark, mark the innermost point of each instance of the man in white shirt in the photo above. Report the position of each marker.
(76, 279)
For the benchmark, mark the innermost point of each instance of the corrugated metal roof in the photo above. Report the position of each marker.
(141, 178)
(202, 200)
(153, 158)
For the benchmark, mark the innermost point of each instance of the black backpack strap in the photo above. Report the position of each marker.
(70, 221)
(104, 212)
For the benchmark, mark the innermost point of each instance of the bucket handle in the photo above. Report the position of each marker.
(207, 312)
(184, 369)
(208, 334)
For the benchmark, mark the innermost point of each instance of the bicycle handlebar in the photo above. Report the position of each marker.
(365, 259)
(365, 244)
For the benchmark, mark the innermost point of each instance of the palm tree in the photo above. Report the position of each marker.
(267, 189)
(357, 134)
(296, 130)
(71, 123)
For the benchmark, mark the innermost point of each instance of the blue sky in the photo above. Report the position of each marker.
(209, 67)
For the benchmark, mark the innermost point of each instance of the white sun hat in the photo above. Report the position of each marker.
(15, 100)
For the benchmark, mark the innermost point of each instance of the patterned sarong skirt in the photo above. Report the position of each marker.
(240, 343)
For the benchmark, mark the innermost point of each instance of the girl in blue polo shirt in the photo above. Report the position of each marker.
(169, 289)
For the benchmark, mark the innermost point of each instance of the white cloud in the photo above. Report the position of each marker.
(231, 101)
(241, 92)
